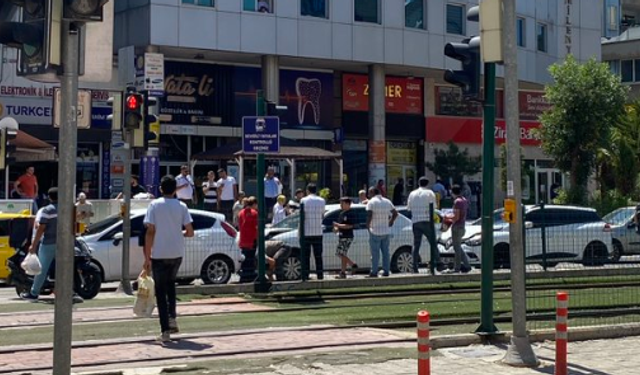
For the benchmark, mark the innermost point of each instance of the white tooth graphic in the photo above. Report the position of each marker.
(308, 91)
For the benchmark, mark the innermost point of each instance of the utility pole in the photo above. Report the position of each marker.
(519, 352)
(125, 282)
(66, 198)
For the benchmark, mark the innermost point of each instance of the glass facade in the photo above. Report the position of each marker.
(204, 3)
(455, 19)
(414, 14)
(366, 11)
(521, 31)
(541, 35)
(314, 8)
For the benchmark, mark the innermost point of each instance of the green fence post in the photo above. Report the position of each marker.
(433, 246)
(262, 286)
(304, 265)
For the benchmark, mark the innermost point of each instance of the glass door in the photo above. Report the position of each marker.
(548, 184)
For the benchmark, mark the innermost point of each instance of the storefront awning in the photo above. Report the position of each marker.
(30, 148)
(299, 153)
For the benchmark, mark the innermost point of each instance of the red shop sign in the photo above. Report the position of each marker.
(403, 95)
(469, 130)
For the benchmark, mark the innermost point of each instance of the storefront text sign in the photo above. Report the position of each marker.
(469, 130)
(403, 95)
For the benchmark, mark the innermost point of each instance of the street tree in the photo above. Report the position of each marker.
(453, 163)
(587, 100)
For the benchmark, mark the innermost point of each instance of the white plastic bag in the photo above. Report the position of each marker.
(31, 265)
(146, 297)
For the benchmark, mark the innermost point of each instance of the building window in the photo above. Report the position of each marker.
(367, 11)
(314, 8)
(636, 70)
(541, 34)
(455, 19)
(612, 18)
(414, 14)
(204, 3)
(614, 66)
(521, 30)
(626, 70)
(262, 6)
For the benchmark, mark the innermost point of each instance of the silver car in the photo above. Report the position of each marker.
(626, 239)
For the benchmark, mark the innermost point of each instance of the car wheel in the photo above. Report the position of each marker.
(595, 254)
(91, 282)
(501, 256)
(291, 268)
(617, 253)
(216, 270)
(402, 261)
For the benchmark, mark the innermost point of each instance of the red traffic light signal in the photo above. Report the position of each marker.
(133, 111)
(134, 102)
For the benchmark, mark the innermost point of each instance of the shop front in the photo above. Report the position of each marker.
(401, 152)
(460, 122)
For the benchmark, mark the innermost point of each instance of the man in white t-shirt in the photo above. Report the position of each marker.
(185, 190)
(164, 249)
(418, 203)
(313, 207)
(381, 214)
(227, 194)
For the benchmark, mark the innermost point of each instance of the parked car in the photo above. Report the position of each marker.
(626, 238)
(572, 233)
(400, 248)
(211, 254)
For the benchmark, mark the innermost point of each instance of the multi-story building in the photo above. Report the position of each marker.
(621, 50)
(362, 78)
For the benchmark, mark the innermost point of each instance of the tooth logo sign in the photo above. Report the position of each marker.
(309, 91)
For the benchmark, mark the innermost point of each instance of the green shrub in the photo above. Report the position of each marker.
(608, 202)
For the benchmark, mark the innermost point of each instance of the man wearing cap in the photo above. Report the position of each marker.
(418, 203)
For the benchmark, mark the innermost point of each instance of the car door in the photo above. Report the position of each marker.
(198, 247)
(360, 250)
(533, 238)
(136, 251)
(330, 241)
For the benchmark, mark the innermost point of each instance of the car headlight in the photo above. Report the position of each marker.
(474, 241)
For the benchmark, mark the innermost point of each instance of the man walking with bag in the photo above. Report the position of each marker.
(164, 250)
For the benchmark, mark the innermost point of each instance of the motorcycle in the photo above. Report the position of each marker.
(87, 276)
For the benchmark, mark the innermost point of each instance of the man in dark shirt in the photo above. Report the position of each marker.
(344, 227)
(460, 208)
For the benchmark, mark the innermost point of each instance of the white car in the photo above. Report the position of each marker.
(572, 233)
(211, 254)
(400, 248)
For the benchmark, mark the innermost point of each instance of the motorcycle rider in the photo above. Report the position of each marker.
(45, 244)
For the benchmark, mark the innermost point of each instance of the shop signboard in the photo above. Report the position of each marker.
(106, 173)
(402, 94)
(150, 174)
(307, 95)
(469, 130)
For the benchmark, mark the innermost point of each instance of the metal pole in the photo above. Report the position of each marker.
(261, 286)
(487, 327)
(66, 197)
(519, 352)
(125, 282)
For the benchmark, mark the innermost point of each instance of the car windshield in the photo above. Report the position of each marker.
(620, 216)
(290, 222)
(102, 224)
(497, 218)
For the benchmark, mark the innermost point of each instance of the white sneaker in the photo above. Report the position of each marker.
(164, 337)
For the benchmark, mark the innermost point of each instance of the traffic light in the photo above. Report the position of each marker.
(115, 102)
(7, 153)
(468, 53)
(83, 10)
(133, 110)
(37, 36)
(151, 123)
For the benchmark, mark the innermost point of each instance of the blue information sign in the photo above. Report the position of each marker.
(261, 134)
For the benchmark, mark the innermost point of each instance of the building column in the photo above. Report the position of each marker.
(377, 125)
(271, 78)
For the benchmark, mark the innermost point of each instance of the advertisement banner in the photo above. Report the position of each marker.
(402, 95)
(106, 173)
(197, 94)
(150, 174)
(307, 95)
(469, 130)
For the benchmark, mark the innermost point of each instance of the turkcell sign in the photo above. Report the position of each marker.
(260, 134)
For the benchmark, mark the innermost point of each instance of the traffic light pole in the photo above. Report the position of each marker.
(261, 285)
(66, 198)
(487, 326)
(125, 282)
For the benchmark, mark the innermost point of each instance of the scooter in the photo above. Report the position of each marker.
(87, 276)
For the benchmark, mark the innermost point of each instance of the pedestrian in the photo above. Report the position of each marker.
(84, 212)
(279, 211)
(44, 244)
(398, 192)
(185, 190)
(294, 204)
(362, 197)
(272, 187)
(210, 190)
(313, 207)
(26, 186)
(275, 253)
(248, 226)
(344, 226)
(381, 188)
(227, 194)
(164, 249)
(381, 214)
(440, 191)
(136, 188)
(237, 206)
(458, 218)
(418, 203)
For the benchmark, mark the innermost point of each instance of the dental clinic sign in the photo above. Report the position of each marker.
(402, 94)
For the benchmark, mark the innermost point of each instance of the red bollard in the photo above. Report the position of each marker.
(424, 349)
(562, 337)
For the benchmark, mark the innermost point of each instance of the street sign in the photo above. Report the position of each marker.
(260, 134)
(83, 109)
(150, 74)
